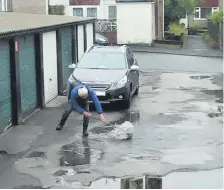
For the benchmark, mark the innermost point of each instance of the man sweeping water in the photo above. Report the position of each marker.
(80, 96)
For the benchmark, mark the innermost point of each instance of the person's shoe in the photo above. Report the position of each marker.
(85, 134)
(59, 127)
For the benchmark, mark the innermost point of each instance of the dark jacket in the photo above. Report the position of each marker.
(92, 96)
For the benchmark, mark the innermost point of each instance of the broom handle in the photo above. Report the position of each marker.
(94, 117)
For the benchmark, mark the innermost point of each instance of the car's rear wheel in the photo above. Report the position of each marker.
(136, 91)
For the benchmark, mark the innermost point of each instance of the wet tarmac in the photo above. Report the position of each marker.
(174, 137)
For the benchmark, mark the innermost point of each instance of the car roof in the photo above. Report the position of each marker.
(115, 49)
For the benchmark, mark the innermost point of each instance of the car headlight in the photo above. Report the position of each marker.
(72, 80)
(101, 39)
(121, 82)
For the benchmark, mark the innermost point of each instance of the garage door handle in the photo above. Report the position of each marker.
(50, 79)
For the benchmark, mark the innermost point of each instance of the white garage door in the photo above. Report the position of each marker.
(89, 32)
(80, 41)
(50, 66)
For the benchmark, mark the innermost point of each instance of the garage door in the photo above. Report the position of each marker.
(5, 90)
(66, 43)
(50, 66)
(80, 41)
(89, 33)
(27, 74)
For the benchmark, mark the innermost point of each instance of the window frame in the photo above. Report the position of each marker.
(76, 8)
(115, 16)
(198, 9)
(91, 8)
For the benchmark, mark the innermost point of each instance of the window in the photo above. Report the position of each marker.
(203, 12)
(103, 60)
(197, 13)
(215, 9)
(78, 12)
(92, 12)
(112, 12)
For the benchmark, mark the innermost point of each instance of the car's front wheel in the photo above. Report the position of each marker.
(127, 101)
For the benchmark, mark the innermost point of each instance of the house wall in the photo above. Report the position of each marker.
(69, 9)
(30, 6)
(102, 8)
(135, 26)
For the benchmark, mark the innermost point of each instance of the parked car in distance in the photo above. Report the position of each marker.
(112, 71)
(101, 40)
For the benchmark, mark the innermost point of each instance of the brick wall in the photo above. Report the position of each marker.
(29, 6)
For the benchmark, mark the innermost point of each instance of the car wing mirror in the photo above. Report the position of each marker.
(134, 68)
(72, 66)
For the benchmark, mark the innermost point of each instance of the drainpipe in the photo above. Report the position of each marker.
(47, 7)
(160, 16)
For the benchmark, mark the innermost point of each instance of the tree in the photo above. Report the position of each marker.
(175, 9)
(188, 6)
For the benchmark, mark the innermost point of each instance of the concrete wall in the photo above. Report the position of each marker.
(30, 6)
(135, 27)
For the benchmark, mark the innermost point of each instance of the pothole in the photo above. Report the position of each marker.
(36, 154)
(29, 187)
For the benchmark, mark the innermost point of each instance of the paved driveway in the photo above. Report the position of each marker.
(178, 128)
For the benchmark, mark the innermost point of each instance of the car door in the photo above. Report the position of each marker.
(132, 73)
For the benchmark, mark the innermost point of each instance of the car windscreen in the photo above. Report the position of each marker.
(102, 60)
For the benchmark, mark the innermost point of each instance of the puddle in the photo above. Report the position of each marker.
(217, 93)
(199, 77)
(36, 154)
(106, 183)
(78, 154)
(2, 153)
(202, 180)
(178, 180)
(120, 129)
(132, 116)
(29, 187)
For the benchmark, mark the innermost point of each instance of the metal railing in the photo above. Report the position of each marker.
(106, 25)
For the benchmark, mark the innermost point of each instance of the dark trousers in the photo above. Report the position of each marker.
(85, 105)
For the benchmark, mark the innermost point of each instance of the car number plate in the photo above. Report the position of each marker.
(100, 93)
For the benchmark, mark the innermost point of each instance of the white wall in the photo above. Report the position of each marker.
(135, 26)
(80, 41)
(89, 34)
(184, 21)
(58, 2)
